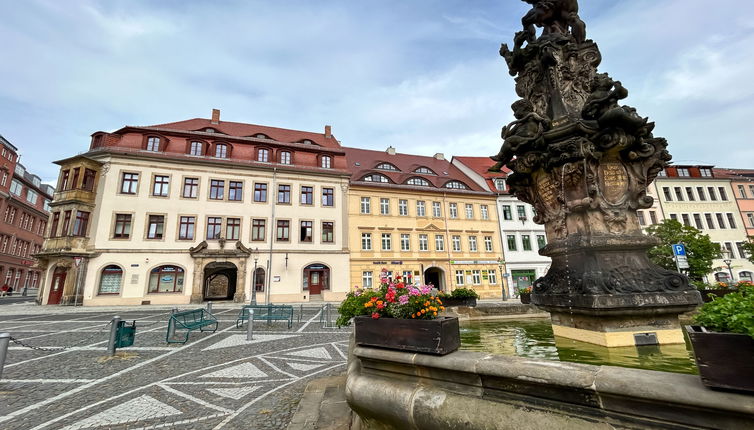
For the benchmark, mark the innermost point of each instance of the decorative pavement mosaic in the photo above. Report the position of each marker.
(215, 381)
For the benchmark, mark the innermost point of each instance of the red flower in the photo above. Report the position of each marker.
(375, 315)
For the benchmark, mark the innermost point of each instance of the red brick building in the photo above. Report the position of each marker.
(24, 207)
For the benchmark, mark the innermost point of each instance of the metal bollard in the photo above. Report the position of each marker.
(113, 335)
(209, 308)
(4, 340)
(171, 325)
(250, 327)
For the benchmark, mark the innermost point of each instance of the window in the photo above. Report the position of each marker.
(640, 216)
(459, 277)
(492, 277)
(741, 251)
(66, 223)
(129, 183)
(328, 232)
(742, 191)
(507, 213)
(488, 243)
(729, 248)
(283, 231)
(221, 150)
(190, 188)
(439, 242)
(110, 280)
(284, 194)
(674, 217)
(160, 186)
(375, 177)
(745, 276)
(511, 239)
(423, 242)
(366, 204)
(155, 226)
(686, 219)
(666, 192)
(683, 172)
(260, 192)
(54, 225)
(196, 148)
(306, 232)
(328, 197)
(700, 193)
(307, 195)
(698, 221)
(166, 279)
(731, 220)
(366, 241)
(456, 240)
(690, 193)
(500, 184)
(456, 185)
(541, 241)
(366, 279)
(421, 208)
(705, 172)
(216, 189)
(751, 191)
(453, 209)
(232, 228)
(403, 207)
(89, 175)
(720, 220)
(476, 277)
(5, 179)
(418, 181)
(153, 144)
(436, 209)
(263, 155)
(214, 227)
(387, 166)
(31, 197)
(285, 157)
(469, 211)
(710, 223)
(472, 244)
(750, 217)
(385, 206)
(65, 183)
(405, 242)
(711, 192)
(326, 162)
(723, 194)
(258, 230)
(387, 242)
(186, 226)
(521, 212)
(484, 212)
(81, 223)
(425, 171)
(678, 194)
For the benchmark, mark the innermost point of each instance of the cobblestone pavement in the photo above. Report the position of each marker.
(215, 381)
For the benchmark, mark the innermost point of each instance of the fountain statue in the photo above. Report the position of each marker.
(584, 162)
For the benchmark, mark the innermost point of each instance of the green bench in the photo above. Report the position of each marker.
(189, 320)
(267, 313)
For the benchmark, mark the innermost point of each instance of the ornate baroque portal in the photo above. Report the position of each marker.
(584, 162)
(219, 274)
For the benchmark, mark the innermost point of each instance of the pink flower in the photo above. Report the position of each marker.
(425, 289)
(413, 291)
(375, 315)
(403, 299)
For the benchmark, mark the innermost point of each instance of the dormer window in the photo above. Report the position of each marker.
(387, 166)
(307, 142)
(326, 162)
(197, 148)
(375, 177)
(285, 157)
(418, 181)
(261, 136)
(153, 144)
(683, 172)
(500, 184)
(263, 155)
(456, 185)
(221, 150)
(209, 130)
(425, 171)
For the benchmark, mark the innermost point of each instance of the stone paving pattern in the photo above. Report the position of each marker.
(215, 381)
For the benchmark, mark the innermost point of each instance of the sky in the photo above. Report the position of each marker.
(423, 76)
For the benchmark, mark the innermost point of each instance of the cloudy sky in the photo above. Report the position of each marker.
(421, 75)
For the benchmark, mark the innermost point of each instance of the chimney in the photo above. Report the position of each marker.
(328, 132)
(390, 150)
(215, 116)
(439, 156)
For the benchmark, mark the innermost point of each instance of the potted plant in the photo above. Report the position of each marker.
(400, 316)
(723, 340)
(718, 289)
(525, 295)
(461, 297)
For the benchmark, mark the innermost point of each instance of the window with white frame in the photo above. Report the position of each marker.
(153, 144)
(221, 150)
(405, 242)
(196, 148)
(403, 207)
(366, 279)
(366, 241)
(366, 205)
(436, 209)
(456, 240)
(492, 277)
(421, 208)
(484, 212)
(285, 157)
(459, 277)
(472, 244)
(385, 206)
(263, 155)
(453, 209)
(423, 242)
(418, 181)
(387, 241)
(456, 185)
(488, 243)
(500, 184)
(326, 162)
(469, 211)
(476, 277)
(439, 242)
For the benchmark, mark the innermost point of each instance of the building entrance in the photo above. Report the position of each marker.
(220, 281)
(56, 287)
(435, 276)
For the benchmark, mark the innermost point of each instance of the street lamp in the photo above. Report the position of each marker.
(500, 264)
(727, 260)
(255, 256)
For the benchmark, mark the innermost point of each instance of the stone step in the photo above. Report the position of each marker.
(323, 406)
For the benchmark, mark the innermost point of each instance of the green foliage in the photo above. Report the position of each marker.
(732, 313)
(353, 305)
(748, 247)
(525, 290)
(464, 293)
(700, 250)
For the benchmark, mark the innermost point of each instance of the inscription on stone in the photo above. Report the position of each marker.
(614, 181)
(548, 191)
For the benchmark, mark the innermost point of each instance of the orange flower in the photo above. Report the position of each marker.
(368, 304)
(442, 308)
(426, 303)
(434, 314)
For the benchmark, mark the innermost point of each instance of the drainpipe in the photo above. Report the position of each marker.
(449, 244)
(273, 231)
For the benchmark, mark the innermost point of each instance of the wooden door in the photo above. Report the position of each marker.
(315, 282)
(56, 287)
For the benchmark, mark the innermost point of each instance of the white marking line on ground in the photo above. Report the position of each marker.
(335, 346)
(224, 382)
(279, 387)
(194, 399)
(309, 322)
(76, 330)
(45, 322)
(93, 383)
(176, 423)
(48, 381)
(262, 359)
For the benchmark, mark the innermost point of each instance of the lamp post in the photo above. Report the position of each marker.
(727, 260)
(255, 256)
(500, 263)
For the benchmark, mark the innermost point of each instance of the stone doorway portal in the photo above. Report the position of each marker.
(220, 281)
(436, 277)
(56, 286)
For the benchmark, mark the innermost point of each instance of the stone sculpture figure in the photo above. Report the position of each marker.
(555, 17)
(524, 133)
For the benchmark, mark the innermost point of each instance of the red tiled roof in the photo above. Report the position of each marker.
(363, 161)
(239, 129)
(733, 173)
(480, 165)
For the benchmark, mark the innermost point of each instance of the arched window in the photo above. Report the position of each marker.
(307, 142)
(197, 148)
(425, 171)
(221, 150)
(375, 177)
(746, 276)
(285, 157)
(263, 155)
(259, 279)
(418, 181)
(261, 136)
(166, 279)
(326, 162)
(722, 277)
(456, 185)
(110, 281)
(153, 144)
(387, 166)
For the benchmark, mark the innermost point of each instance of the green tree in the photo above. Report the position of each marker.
(700, 250)
(749, 248)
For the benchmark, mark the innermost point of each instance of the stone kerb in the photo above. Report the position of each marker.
(466, 389)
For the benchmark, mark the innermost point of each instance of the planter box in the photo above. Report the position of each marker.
(525, 298)
(725, 360)
(450, 301)
(719, 293)
(439, 336)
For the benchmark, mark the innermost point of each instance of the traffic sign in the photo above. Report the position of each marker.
(679, 249)
(682, 261)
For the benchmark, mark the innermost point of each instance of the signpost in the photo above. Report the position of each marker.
(681, 260)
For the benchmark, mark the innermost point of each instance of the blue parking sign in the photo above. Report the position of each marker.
(679, 249)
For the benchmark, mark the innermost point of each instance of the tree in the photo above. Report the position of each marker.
(748, 247)
(700, 250)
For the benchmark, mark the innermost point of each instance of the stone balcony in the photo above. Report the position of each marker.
(75, 195)
(65, 244)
